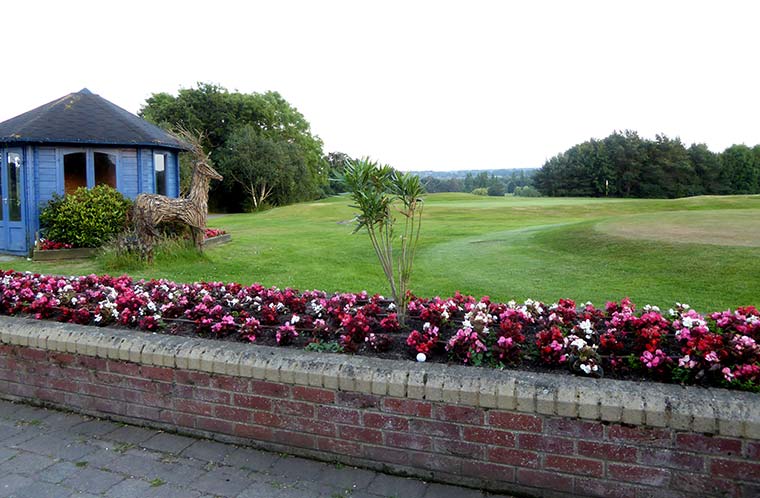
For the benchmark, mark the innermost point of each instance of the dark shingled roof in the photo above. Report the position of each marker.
(85, 118)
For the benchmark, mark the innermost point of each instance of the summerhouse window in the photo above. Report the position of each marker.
(87, 168)
(159, 163)
(105, 169)
(74, 171)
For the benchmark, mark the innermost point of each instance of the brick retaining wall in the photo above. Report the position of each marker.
(526, 433)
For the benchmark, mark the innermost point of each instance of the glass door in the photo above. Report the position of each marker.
(12, 188)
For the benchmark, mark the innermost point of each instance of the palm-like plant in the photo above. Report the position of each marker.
(379, 191)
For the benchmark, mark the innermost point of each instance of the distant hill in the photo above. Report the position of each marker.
(461, 173)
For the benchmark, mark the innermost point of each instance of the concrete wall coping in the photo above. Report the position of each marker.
(652, 404)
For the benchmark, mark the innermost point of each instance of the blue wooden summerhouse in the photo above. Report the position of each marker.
(78, 140)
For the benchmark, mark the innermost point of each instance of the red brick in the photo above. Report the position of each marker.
(608, 451)
(387, 422)
(271, 389)
(382, 454)
(574, 428)
(297, 408)
(753, 450)
(134, 383)
(194, 407)
(509, 456)
(701, 443)
(52, 396)
(143, 412)
(338, 415)
(313, 394)
(572, 465)
(408, 407)
(656, 457)
(64, 384)
(232, 414)
(544, 480)
(268, 419)
(297, 439)
(515, 421)
(431, 461)
(640, 435)
(92, 363)
(322, 428)
(97, 390)
(215, 425)
(410, 441)
(462, 414)
(255, 402)
(211, 395)
(489, 436)
(488, 471)
(702, 485)
(158, 373)
(123, 368)
(605, 489)
(734, 469)
(338, 446)
(641, 475)
(357, 400)
(459, 448)
(227, 383)
(373, 436)
(33, 354)
(548, 444)
(192, 378)
(435, 428)
(254, 432)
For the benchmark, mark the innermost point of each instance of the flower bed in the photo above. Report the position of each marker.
(681, 345)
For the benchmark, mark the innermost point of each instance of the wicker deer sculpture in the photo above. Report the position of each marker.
(150, 210)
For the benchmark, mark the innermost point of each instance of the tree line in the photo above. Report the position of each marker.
(627, 165)
(496, 182)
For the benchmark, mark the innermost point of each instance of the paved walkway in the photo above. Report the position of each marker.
(52, 454)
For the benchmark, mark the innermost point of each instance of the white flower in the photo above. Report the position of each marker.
(391, 306)
(672, 312)
(752, 319)
(586, 369)
(73, 300)
(294, 319)
(578, 343)
(421, 357)
(445, 315)
(466, 324)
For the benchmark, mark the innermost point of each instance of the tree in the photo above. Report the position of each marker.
(219, 113)
(264, 167)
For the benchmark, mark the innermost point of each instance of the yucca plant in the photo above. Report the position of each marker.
(379, 192)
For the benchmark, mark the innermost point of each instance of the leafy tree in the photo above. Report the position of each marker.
(740, 169)
(264, 167)
(497, 190)
(219, 114)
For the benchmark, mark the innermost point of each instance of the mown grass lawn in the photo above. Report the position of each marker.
(704, 251)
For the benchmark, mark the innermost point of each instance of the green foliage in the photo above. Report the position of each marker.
(480, 191)
(526, 191)
(379, 191)
(235, 124)
(124, 254)
(497, 190)
(267, 168)
(626, 165)
(85, 218)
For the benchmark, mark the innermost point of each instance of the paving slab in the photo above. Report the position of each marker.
(45, 453)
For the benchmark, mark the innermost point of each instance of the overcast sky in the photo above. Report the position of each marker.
(420, 85)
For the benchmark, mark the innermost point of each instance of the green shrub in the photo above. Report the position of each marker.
(86, 218)
(497, 190)
(480, 191)
(527, 191)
